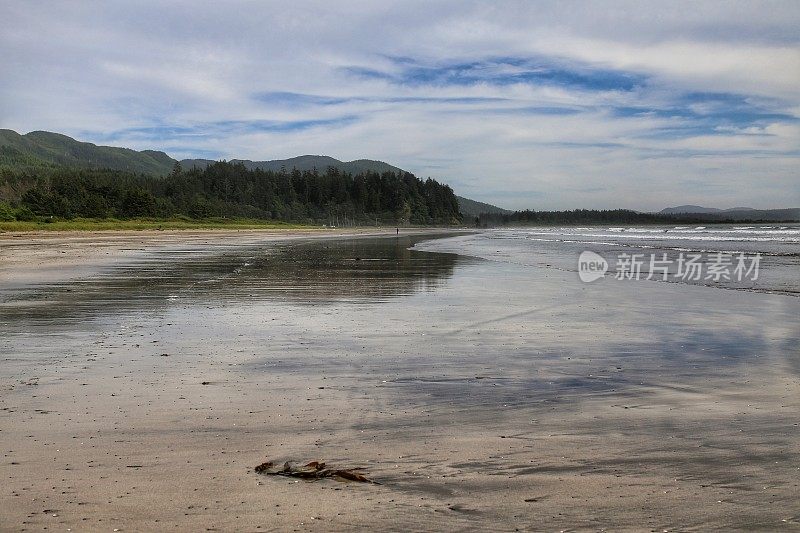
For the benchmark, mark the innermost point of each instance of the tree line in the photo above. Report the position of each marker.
(230, 190)
(592, 216)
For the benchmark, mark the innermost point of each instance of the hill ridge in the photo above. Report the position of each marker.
(305, 162)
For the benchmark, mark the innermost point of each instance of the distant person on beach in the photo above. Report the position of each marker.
(398, 231)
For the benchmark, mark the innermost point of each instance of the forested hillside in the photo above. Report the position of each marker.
(472, 208)
(46, 176)
(231, 190)
(44, 147)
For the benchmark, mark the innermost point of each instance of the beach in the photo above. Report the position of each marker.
(145, 375)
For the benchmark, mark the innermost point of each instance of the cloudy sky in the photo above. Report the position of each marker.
(522, 104)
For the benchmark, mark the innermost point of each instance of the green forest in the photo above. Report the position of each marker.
(607, 216)
(228, 190)
(577, 216)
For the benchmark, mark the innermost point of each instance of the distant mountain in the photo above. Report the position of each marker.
(304, 162)
(472, 208)
(46, 148)
(742, 214)
(682, 209)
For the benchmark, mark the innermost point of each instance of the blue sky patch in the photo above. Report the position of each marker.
(502, 71)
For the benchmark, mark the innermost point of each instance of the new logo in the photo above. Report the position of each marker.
(591, 266)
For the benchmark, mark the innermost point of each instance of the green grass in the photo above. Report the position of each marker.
(83, 224)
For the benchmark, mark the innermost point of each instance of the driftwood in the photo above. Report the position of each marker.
(313, 471)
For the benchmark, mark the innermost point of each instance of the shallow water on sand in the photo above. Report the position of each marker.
(480, 393)
(301, 272)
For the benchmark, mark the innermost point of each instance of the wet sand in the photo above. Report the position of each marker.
(47, 256)
(138, 393)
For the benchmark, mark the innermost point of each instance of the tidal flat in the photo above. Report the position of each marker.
(144, 377)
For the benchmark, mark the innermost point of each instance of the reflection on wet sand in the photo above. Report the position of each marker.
(304, 272)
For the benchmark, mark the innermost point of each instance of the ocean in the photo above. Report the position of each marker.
(759, 257)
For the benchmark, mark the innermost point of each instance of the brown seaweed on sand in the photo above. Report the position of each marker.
(263, 467)
(313, 471)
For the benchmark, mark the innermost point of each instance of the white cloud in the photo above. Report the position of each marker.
(95, 69)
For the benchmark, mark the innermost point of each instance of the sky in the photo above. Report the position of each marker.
(532, 104)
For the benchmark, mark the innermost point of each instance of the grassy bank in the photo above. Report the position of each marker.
(83, 224)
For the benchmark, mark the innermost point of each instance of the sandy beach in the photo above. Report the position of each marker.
(145, 375)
